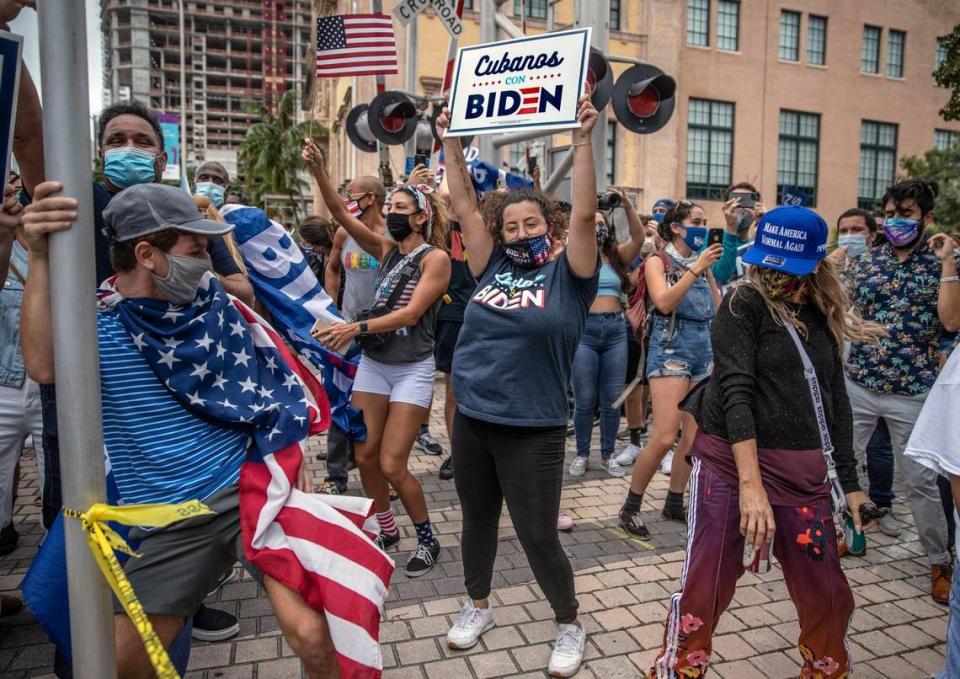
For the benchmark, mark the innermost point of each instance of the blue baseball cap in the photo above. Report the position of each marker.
(664, 202)
(789, 238)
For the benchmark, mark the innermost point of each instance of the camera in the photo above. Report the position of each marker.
(608, 201)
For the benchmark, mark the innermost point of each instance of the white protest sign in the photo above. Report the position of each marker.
(530, 83)
(407, 10)
(447, 13)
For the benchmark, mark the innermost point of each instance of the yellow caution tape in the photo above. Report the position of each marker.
(103, 541)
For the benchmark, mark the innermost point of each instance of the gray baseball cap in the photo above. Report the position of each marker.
(143, 209)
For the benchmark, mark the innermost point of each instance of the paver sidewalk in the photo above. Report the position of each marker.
(623, 586)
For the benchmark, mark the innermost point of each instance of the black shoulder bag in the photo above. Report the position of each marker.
(377, 340)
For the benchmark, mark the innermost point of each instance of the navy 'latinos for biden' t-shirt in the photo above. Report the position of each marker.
(520, 332)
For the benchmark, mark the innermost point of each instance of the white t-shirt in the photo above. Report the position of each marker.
(935, 441)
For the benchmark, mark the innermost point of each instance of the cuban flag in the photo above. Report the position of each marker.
(287, 287)
(486, 176)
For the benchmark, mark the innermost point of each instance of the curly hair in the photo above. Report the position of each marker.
(493, 204)
(923, 192)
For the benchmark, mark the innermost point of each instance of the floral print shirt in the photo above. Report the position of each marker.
(901, 296)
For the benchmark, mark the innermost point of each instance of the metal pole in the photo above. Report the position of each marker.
(183, 100)
(518, 137)
(410, 78)
(596, 13)
(508, 27)
(624, 60)
(386, 175)
(62, 28)
(559, 172)
(488, 33)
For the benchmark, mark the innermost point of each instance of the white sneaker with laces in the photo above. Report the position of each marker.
(472, 622)
(666, 463)
(578, 467)
(567, 651)
(628, 455)
(612, 468)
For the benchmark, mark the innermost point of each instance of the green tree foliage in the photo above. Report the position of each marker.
(944, 168)
(269, 156)
(948, 75)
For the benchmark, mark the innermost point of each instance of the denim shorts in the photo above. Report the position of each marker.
(684, 352)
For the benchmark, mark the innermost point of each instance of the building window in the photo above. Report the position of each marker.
(709, 148)
(536, 9)
(789, 36)
(940, 55)
(728, 25)
(611, 154)
(944, 139)
(798, 152)
(615, 15)
(816, 40)
(878, 162)
(518, 158)
(895, 41)
(870, 50)
(467, 4)
(698, 22)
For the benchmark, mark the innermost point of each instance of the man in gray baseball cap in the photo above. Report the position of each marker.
(159, 242)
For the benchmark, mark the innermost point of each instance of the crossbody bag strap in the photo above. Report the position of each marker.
(16, 273)
(837, 496)
(408, 268)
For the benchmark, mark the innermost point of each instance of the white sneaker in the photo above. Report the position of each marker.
(628, 455)
(578, 467)
(567, 651)
(472, 622)
(613, 469)
(666, 463)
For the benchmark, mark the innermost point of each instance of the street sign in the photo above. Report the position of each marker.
(407, 10)
(531, 83)
(11, 46)
(447, 12)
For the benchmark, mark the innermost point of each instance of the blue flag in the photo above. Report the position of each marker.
(288, 288)
(791, 195)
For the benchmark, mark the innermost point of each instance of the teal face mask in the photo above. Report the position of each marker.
(129, 166)
(214, 192)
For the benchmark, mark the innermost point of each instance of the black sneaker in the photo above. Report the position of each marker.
(211, 624)
(632, 522)
(331, 488)
(422, 560)
(427, 443)
(386, 540)
(674, 513)
(224, 579)
(446, 469)
(8, 539)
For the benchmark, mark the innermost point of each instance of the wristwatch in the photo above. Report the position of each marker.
(363, 327)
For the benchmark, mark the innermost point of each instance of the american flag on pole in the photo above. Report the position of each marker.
(222, 361)
(356, 44)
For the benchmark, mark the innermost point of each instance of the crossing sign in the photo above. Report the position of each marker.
(446, 10)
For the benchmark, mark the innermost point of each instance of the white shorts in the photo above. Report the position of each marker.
(402, 382)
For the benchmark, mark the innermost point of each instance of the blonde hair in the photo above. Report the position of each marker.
(825, 290)
(210, 212)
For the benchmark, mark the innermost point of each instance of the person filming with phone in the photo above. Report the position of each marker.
(761, 455)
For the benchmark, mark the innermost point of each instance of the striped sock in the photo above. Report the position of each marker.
(388, 523)
(425, 534)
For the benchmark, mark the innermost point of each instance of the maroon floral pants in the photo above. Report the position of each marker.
(805, 544)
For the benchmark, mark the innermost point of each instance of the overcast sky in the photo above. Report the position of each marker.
(26, 25)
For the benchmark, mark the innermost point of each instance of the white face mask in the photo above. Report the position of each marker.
(854, 243)
(183, 279)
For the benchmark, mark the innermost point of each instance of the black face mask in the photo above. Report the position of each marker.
(399, 226)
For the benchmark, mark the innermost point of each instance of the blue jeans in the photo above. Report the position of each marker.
(880, 465)
(599, 367)
(952, 668)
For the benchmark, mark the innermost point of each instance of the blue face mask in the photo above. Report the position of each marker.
(214, 192)
(901, 231)
(694, 237)
(658, 217)
(128, 166)
(855, 244)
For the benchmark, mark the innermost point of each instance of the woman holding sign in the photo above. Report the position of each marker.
(511, 369)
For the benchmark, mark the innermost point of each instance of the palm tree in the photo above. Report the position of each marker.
(269, 156)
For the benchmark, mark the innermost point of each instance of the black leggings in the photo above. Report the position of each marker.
(524, 465)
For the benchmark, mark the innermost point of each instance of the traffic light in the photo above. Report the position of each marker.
(643, 98)
(393, 117)
(358, 130)
(600, 79)
(437, 108)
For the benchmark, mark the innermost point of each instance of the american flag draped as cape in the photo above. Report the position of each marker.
(221, 360)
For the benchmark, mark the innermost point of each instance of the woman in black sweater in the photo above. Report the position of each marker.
(759, 470)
